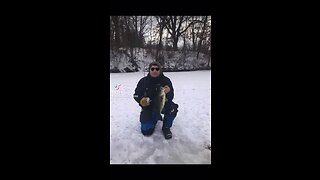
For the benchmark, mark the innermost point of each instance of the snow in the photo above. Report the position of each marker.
(191, 128)
(174, 59)
(120, 60)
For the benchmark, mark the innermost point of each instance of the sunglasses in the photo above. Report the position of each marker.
(152, 69)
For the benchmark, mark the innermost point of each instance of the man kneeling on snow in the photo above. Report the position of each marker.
(146, 94)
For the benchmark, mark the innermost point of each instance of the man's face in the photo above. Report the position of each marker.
(154, 71)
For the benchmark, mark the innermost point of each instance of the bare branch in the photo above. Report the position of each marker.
(180, 22)
(181, 32)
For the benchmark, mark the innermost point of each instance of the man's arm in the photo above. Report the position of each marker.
(170, 94)
(139, 91)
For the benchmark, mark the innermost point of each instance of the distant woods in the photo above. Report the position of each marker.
(161, 33)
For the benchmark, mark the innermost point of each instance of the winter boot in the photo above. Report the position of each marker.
(167, 133)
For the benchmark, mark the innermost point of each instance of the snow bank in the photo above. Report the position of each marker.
(174, 60)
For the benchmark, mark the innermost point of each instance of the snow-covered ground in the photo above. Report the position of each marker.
(191, 128)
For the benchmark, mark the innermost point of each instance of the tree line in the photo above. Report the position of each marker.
(162, 31)
(159, 33)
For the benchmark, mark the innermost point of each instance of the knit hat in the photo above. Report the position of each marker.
(155, 63)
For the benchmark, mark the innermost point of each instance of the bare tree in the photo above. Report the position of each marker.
(204, 21)
(173, 25)
(142, 29)
(161, 24)
(138, 26)
(184, 36)
(193, 34)
(115, 31)
(127, 38)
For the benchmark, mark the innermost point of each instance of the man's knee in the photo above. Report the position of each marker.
(147, 128)
(148, 121)
(147, 132)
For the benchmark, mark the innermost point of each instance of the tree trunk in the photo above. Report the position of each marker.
(160, 44)
(193, 37)
(161, 22)
(201, 35)
(175, 43)
(209, 59)
(184, 43)
(198, 52)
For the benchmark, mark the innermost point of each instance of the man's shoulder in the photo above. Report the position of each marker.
(142, 80)
(165, 77)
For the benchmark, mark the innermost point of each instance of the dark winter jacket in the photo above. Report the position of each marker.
(147, 88)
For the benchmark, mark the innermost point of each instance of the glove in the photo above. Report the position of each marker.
(145, 101)
(166, 89)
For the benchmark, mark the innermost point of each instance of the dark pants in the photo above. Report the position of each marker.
(149, 118)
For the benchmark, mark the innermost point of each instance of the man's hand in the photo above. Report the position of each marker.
(145, 101)
(166, 89)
